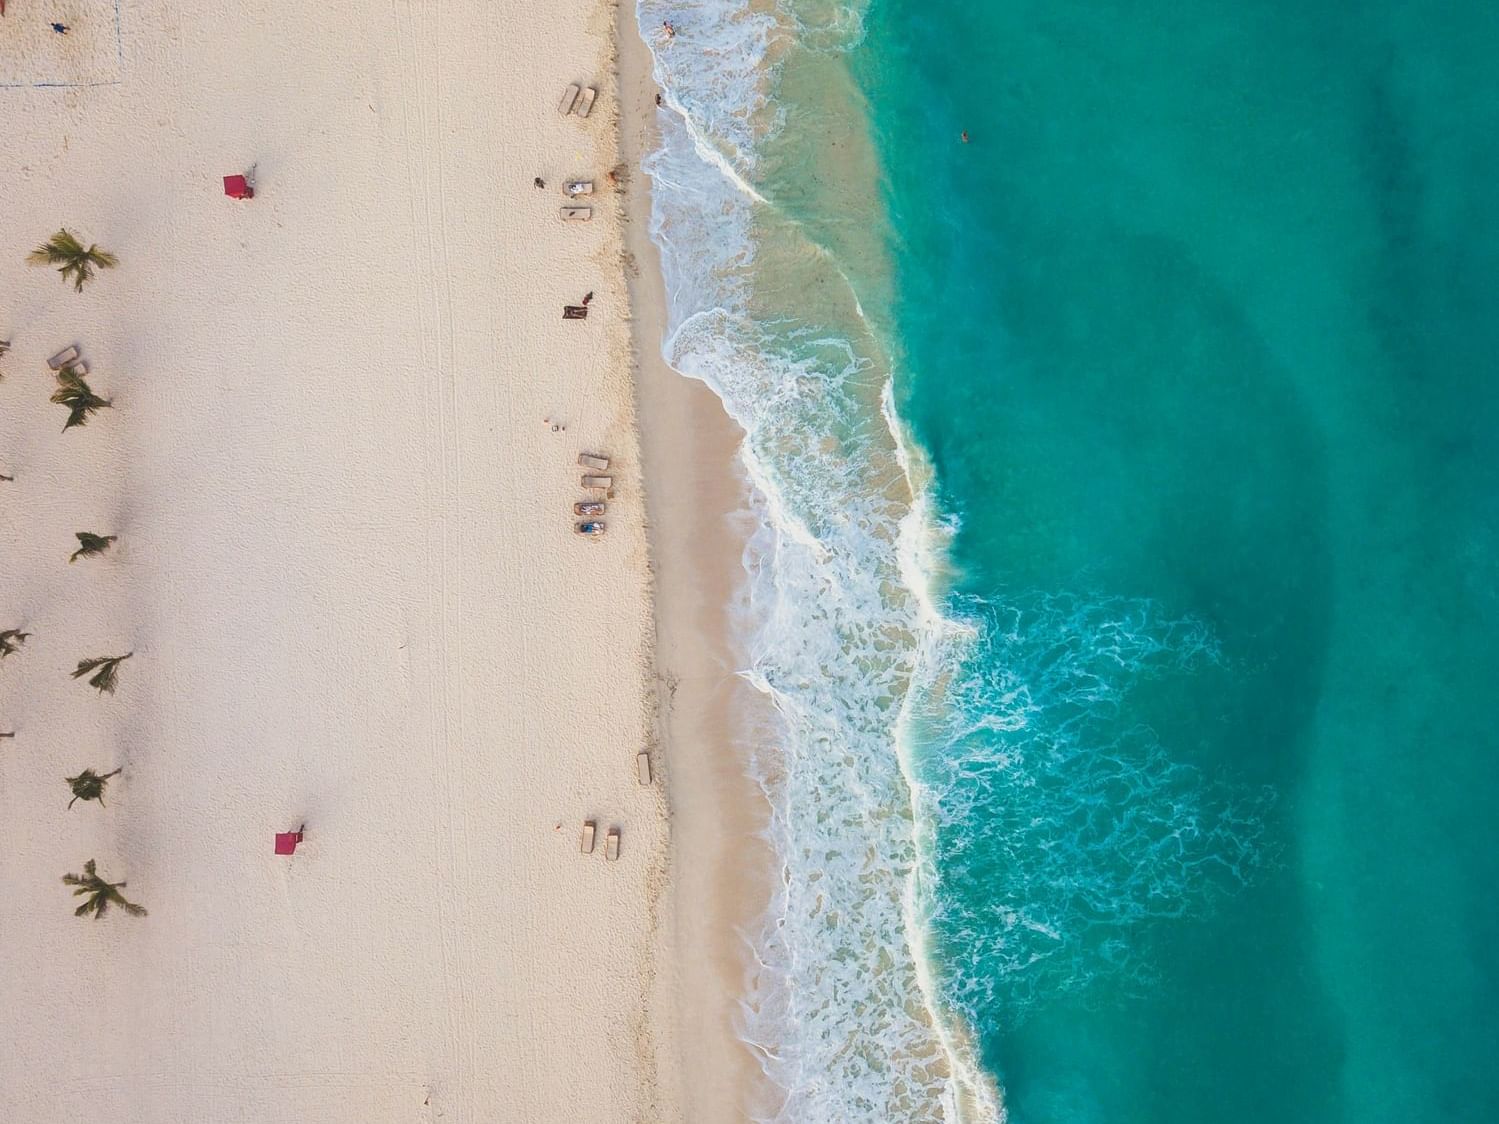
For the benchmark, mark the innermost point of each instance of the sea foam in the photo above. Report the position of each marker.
(962, 821)
(837, 1006)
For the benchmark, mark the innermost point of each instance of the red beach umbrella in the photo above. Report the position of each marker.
(286, 841)
(238, 187)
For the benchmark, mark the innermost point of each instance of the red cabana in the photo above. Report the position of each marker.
(286, 841)
(238, 187)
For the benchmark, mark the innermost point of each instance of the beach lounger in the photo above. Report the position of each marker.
(589, 507)
(643, 767)
(575, 312)
(611, 844)
(593, 528)
(585, 103)
(578, 187)
(569, 96)
(593, 460)
(64, 357)
(4, 346)
(577, 214)
(602, 483)
(586, 846)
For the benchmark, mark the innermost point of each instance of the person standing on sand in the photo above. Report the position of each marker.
(60, 28)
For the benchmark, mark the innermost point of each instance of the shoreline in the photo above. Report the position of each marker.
(699, 523)
(841, 796)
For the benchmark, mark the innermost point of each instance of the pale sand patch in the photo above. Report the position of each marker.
(89, 53)
(347, 572)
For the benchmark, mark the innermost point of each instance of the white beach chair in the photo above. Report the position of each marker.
(586, 846)
(578, 187)
(643, 768)
(611, 844)
(600, 483)
(585, 103)
(592, 460)
(577, 214)
(569, 96)
(63, 358)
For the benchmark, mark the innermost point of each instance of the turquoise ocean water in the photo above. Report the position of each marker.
(1128, 586)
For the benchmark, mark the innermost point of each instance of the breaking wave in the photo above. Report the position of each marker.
(948, 776)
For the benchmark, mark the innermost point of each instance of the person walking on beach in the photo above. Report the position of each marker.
(60, 28)
(671, 32)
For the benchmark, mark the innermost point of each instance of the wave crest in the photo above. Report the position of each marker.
(1058, 823)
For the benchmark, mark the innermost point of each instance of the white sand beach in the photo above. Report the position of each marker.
(340, 463)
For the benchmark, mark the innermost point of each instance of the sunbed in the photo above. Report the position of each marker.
(611, 844)
(577, 214)
(643, 767)
(589, 826)
(592, 460)
(569, 96)
(63, 358)
(603, 483)
(585, 103)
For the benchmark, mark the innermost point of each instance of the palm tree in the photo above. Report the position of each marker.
(98, 894)
(74, 392)
(89, 785)
(106, 670)
(67, 253)
(11, 640)
(90, 545)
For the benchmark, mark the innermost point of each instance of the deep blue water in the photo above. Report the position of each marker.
(1199, 333)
